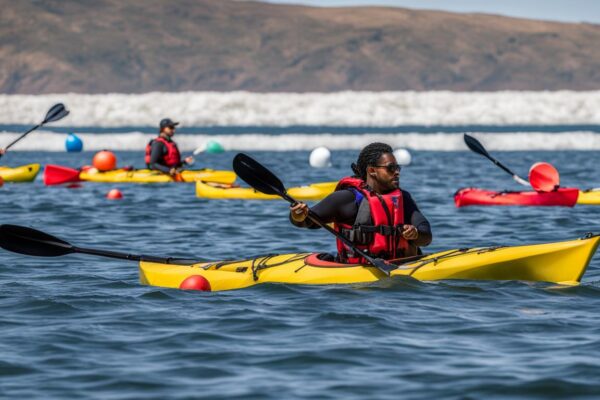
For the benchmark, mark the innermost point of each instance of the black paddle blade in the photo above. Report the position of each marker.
(475, 146)
(23, 240)
(256, 175)
(57, 112)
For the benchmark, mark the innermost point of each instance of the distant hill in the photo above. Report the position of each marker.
(136, 46)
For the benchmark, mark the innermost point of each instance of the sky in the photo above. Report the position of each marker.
(553, 10)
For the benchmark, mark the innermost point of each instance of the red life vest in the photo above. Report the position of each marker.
(378, 225)
(171, 159)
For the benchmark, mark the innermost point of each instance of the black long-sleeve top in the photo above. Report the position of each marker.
(341, 207)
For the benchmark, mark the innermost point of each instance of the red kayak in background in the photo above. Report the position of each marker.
(564, 197)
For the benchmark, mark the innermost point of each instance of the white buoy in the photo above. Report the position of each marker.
(403, 157)
(320, 158)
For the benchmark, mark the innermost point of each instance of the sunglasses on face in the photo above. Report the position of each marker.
(391, 168)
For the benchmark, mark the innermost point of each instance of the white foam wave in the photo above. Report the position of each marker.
(311, 109)
(136, 141)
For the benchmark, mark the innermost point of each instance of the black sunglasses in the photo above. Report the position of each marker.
(391, 168)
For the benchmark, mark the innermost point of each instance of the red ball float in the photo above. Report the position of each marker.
(543, 177)
(114, 194)
(195, 282)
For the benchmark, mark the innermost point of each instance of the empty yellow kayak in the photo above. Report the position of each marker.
(150, 176)
(589, 197)
(559, 262)
(316, 191)
(24, 173)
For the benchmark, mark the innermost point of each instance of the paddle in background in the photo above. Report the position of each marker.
(543, 177)
(263, 180)
(55, 113)
(478, 148)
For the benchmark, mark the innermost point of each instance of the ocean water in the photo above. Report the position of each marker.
(83, 327)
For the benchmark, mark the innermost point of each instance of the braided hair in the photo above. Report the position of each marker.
(369, 157)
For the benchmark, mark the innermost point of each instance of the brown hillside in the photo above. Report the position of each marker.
(138, 46)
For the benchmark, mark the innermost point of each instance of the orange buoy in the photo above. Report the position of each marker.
(114, 194)
(105, 160)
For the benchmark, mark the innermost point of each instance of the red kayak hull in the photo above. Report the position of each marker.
(562, 197)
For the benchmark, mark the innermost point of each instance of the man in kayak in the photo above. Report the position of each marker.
(371, 210)
(162, 153)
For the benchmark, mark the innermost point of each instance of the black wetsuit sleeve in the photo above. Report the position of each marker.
(413, 215)
(157, 152)
(339, 206)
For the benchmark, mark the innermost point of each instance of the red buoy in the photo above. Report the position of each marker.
(544, 177)
(114, 194)
(195, 282)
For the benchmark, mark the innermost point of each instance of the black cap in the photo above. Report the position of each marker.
(167, 122)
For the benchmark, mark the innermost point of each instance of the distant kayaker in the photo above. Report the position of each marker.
(162, 153)
(371, 210)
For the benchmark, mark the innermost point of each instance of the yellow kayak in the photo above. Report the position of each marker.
(589, 197)
(150, 176)
(316, 191)
(24, 173)
(560, 262)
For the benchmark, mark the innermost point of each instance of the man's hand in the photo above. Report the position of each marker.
(299, 211)
(410, 232)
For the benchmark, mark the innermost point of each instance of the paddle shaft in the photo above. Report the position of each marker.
(499, 164)
(263, 180)
(125, 256)
(313, 217)
(22, 136)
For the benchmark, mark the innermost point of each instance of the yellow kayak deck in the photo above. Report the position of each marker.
(559, 262)
(150, 176)
(23, 173)
(316, 191)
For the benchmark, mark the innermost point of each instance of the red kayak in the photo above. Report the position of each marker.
(565, 197)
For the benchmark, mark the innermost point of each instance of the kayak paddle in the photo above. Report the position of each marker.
(55, 113)
(263, 180)
(31, 242)
(478, 148)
